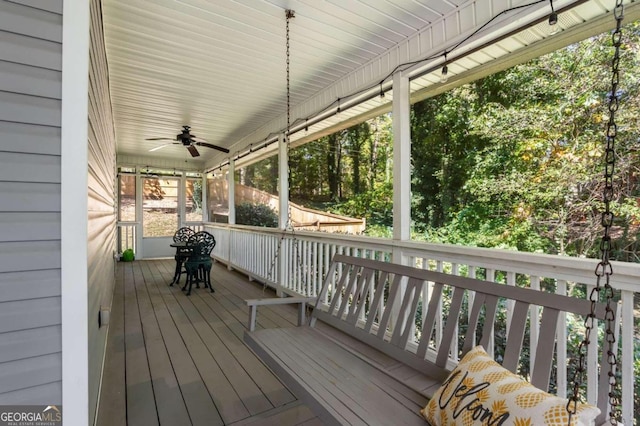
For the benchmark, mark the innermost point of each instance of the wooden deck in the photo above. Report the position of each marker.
(178, 360)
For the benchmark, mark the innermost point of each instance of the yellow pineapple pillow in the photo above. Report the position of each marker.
(479, 391)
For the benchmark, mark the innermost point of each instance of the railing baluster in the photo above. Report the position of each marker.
(561, 344)
(628, 376)
(534, 324)
(491, 276)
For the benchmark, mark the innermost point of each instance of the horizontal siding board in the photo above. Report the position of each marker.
(47, 394)
(30, 233)
(30, 372)
(101, 202)
(30, 51)
(29, 285)
(30, 343)
(21, 167)
(19, 78)
(100, 198)
(30, 21)
(29, 226)
(54, 6)
(29, 256)
(33, 139)
(29, 197)
(32, 313)
(29, 109)
(103, 174)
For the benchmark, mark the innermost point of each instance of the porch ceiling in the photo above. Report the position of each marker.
(219, 65)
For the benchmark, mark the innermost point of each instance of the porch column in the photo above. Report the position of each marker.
(232, 191)
(283, 199)
(401, 162)
(204, 202)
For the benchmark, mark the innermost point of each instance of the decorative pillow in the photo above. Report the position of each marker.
(480, 391)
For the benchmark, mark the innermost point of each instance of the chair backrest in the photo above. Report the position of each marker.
(202, 243)
(183, 234)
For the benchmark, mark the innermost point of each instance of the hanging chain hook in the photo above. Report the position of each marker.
(604, 269)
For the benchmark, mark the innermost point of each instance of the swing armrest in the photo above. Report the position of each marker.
(254, 303)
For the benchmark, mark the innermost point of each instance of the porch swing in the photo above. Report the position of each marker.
(330, 377)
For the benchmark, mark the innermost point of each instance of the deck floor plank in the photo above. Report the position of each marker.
(294, 413)
(231, 331)
(269, 316)
(141, 403)
(114, 403)
(169, 399)
(200, 405)
(232, 389)
(173, 359)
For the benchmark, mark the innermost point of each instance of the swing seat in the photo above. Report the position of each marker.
(374, 366)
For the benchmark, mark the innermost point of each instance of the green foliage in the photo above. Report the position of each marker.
(256, 215)
(375, 206)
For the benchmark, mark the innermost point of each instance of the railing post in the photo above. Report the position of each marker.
(401, 173)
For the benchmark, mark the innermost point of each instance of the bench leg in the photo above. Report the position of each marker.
(302, 313)
(252, 317)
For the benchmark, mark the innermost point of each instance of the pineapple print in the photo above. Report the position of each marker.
(499, 408)
(480, 365)
(530, 399)
(496, 376)
(557, 416)
(512, 387)
(520, 421)
(434, 415)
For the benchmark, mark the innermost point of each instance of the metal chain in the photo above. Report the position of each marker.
(290, 226)
(290, 14)
(604, 269)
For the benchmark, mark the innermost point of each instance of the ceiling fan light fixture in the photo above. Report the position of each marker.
(188, 140)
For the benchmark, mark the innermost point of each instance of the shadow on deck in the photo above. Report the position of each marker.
(178, 360)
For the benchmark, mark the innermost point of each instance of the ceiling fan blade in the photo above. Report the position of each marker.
(158, 139)
(194, 152)
(161, 146)
(208, 145)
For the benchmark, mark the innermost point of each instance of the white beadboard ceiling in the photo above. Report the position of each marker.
(219, 65)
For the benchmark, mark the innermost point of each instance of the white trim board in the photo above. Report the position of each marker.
(74, 289)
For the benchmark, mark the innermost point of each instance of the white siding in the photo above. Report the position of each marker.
(101, 201)
(30, 95)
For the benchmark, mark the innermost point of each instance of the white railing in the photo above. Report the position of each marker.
(297, 264)
(196, 226)
(126, 236)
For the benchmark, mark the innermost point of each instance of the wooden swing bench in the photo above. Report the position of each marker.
(387, 376)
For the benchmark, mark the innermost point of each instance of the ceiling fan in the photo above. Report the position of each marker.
(189, 140)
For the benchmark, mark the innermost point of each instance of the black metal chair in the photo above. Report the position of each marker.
(199, 262)
(182, 235)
